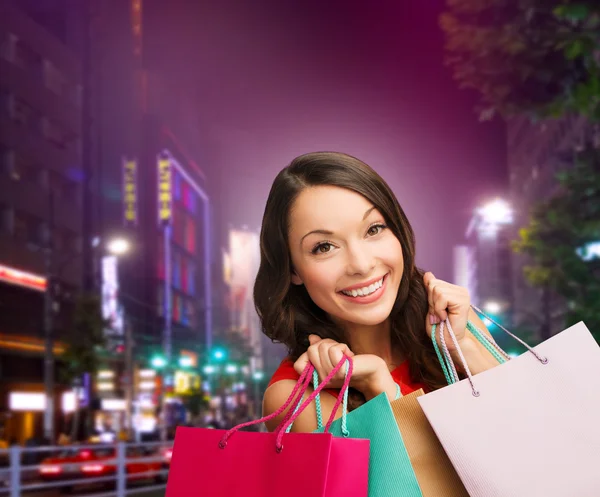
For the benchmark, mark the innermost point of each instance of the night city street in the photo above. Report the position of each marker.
(212, 211)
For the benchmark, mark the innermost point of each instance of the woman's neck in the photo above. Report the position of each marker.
(375, 340)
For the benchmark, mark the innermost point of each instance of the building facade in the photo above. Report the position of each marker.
(40, 201)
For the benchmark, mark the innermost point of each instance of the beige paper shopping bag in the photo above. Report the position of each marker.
(434, 471)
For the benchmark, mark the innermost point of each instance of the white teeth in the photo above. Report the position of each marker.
(363, 292)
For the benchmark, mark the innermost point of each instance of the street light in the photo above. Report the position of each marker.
(492, 307)
(208, 370)
(185, 362)
(158, 362)
(219, 354)
(258, 375)
(496, 212)
(231, 369)
(118, 246)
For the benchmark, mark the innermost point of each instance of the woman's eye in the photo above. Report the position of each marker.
(376, 229)
(322, 248)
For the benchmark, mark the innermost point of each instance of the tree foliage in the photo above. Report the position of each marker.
(85, 338)
(540, 58)
(559, 235)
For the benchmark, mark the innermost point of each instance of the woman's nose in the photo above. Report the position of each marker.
(360, 261)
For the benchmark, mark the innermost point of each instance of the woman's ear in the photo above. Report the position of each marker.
(296, 280)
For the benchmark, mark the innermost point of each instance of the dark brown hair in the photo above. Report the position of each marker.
(287, 312)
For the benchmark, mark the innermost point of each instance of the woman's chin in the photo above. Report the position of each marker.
(370, 317)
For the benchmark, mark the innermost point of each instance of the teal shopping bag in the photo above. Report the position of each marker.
(390, 471)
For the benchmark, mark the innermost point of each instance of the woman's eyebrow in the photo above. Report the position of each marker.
(316, 232)
(329, 233)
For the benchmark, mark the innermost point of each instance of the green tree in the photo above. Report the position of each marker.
(561, 230)
(541, 59)
(526, 57)
(85, 340)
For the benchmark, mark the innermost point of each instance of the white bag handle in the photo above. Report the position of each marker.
(446, 352)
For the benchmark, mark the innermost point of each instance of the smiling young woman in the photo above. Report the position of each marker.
(338, 276)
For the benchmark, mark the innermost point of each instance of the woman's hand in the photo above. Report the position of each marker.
(452, 302)
(447, 301)
(370, 373)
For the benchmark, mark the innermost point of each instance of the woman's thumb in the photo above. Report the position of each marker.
(314, 339)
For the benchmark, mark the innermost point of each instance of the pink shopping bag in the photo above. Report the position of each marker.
(220, 463)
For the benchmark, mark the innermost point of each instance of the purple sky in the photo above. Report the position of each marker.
(276, 79)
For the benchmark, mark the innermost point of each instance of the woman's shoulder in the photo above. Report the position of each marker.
(403, 378)
(285, 371)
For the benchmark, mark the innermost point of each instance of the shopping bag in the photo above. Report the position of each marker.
(434, 471)
(528, 427)
(234, 463)
(390, 470)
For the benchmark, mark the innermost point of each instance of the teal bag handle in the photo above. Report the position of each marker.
(491, 346)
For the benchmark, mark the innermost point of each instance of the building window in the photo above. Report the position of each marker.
(176, 269)
(177, 184)
(53, 78)
(25, 57)
(6, 219)
(24, 229)
(23, 113)
(189, 198)
(183, 275)
(177, 308)
(74, 243)
(54, 133)
(191, 278)
(60, 186)
(160, 300)
(24, 169)
(190, 313)
(190, 235)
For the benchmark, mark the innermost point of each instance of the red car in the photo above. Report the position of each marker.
(97, 463)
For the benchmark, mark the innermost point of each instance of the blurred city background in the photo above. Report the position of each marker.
(138, 142)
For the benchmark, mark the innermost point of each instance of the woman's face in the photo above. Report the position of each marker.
(342, 252)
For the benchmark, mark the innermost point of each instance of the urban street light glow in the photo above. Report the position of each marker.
(231, 369)
(258, 375)
(158, 362)
(209, 369)
(118, 246)
(219, 354)
(496, 212)
(185, 362)
(493, 307)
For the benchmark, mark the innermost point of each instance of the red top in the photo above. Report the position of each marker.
(401, 376)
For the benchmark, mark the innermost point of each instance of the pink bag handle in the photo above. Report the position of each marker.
(317, 391)
(301, 384)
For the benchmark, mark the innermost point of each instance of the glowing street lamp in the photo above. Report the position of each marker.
(158, 362)
(231, 369)
(496, 212)
(185, 362)
(208, 370)
(258, 375)
(492, 307)
(118, 246)
(219, 354)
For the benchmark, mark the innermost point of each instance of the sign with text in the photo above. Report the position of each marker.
(130, 194)
(165, 191)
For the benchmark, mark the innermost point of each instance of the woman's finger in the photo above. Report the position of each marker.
(301, 363)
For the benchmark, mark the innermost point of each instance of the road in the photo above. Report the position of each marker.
(83, 492)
